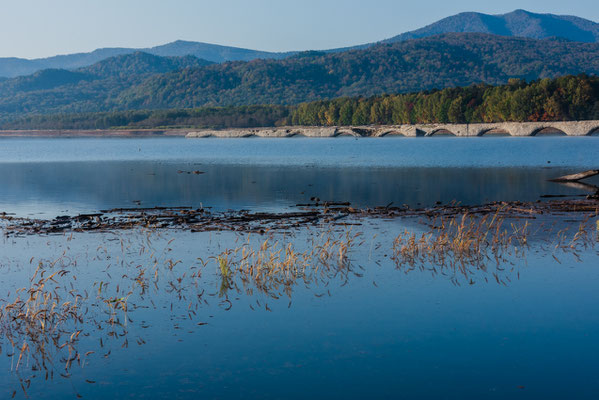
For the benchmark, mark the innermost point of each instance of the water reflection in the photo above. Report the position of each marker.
(106, 293)
(68, 188)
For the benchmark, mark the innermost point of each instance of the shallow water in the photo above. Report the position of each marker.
(524, 328)
(382, 332)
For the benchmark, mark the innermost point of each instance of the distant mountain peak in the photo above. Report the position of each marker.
(141, 63)
(519, 22)
(518, 11)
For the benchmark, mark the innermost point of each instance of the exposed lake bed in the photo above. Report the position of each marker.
(336, 268)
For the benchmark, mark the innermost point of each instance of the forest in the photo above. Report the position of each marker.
(560, 99)
(143, 81)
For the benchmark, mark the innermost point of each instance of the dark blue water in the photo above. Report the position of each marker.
(379, 334)
(526, 328)
(50, 177)
(301, 152)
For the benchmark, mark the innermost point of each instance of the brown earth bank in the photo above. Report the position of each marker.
(95, 133)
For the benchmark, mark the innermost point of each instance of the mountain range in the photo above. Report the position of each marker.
(517, 23)
(428, 60)
(13, 67)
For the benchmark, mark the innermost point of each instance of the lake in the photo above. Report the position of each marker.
(324, 310)
(51, 177)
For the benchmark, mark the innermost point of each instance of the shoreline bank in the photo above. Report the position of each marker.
(74, 133)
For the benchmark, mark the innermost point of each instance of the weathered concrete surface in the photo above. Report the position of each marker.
(271, 132)
(570, 128)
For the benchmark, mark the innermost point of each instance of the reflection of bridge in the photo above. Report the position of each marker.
(570, 128)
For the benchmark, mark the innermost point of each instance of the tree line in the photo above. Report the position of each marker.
(560, 99)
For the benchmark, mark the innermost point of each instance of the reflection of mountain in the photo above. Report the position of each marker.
(92, 186)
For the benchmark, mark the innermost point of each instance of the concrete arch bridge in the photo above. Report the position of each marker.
(569, 128)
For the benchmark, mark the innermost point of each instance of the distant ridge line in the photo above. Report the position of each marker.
(518, 23)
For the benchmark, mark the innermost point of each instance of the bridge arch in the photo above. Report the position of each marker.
(296, 135)
(441, 132)
(362, 131)
(548, 131)
(594, 131)
(494, 132)
(392, 133)
(346, 134)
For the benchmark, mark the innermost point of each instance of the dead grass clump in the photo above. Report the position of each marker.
(461, 244)
(273, 267)
(41, 324)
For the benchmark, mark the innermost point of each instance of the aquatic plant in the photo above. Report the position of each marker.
(273, 267)
(41, 323)
(461, 243)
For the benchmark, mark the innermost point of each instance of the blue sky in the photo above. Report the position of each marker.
(40, 28)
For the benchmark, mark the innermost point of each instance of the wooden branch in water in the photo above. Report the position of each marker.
(576, 177)
(581, 186)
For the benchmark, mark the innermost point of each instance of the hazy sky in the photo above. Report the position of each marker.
(40, 28)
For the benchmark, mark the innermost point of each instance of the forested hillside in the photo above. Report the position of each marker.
(564, 98)
(433, 63)
(85, 89)
(143, 81)
(561, 99)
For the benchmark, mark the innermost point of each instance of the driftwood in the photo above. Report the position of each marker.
(576, 177)
(203, 219)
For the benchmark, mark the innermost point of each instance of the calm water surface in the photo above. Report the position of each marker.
(526, 328)
(52, 177)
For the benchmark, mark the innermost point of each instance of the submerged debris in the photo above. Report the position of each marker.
(576, 177)
(203, 219)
